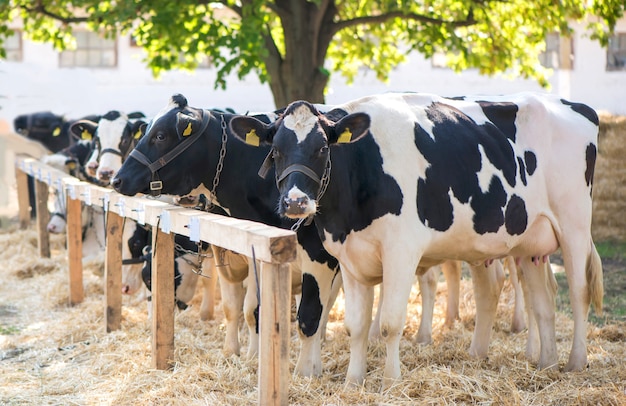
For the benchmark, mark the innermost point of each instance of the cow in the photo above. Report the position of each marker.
(50, 130)
(189, 266)
(198, 138)
(394, 181)
(72, 161)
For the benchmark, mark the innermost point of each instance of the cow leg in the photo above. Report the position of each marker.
(332, 298)
(250, 309)
(428, 289)
(584, 277)
(393, 313)
(317, 299)
(209, 282)
(232, 305)
(374, 333)
(358, 316)
(541, 294)
(452, 273)
(488, 282)
(518, 323)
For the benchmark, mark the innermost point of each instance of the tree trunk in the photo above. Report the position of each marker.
(298, 75)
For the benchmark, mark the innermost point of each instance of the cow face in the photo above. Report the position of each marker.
(85, 130)
(173, 126)
(300, 151)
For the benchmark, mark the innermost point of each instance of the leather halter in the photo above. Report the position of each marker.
(155, 183)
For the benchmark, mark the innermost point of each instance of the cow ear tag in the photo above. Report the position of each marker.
(345, 136)
(56, 132)
(187, 130)
(71, 165)
(252, 138)
(86, 135)
(137, 135)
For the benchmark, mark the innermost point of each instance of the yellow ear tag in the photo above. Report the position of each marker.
(86, 135)
(252, 138)
(56, 132)
(137, 135)
(345, 136)
(187, 130)
(71, 165)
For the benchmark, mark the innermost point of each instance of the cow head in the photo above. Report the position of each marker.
(300, 142)
(44, 127)
(113, 138)
(169, 140)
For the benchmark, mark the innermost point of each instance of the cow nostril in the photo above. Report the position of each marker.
(116, 183)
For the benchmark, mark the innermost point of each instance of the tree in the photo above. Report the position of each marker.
(294, 45)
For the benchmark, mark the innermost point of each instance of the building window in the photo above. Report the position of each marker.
(559, 53)
(616, 52)
(13, 47)
(92, 51)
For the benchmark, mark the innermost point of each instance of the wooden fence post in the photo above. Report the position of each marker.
(22, 198)
(43, 217)
(162, 299)
(74, 229)
(113, 272)
(275, 318)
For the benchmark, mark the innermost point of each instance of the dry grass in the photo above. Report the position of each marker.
(54, 354)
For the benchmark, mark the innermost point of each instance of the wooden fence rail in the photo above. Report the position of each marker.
(274, 247)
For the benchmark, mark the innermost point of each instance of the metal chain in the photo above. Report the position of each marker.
(195, 267)
(220, 162)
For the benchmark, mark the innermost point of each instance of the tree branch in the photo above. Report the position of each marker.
(39, 8)
(368, 20)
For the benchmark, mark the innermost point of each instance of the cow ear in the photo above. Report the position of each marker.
(138, 129)
(187, 124)
(349, 129)
(251, 130)
(83, 129)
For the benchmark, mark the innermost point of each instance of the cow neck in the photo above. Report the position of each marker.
(155, 183)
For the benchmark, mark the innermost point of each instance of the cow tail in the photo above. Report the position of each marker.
(594, 279)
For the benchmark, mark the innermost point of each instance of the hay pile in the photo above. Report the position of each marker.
(54, 354)
(609, 189)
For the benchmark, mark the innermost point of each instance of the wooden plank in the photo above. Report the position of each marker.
(75, 249)
(113, 272)
(271, 244)
(275, 315)
(162, 299)
(43, 218)
(22, 198)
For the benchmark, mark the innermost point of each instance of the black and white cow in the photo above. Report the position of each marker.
(50, 130)
(397, 180)
(198, 138)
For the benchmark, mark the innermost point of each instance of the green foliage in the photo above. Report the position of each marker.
(244, 36)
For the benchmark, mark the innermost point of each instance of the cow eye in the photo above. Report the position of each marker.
(160, 137)
(324, 150)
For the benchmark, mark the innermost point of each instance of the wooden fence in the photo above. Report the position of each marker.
(274, 247)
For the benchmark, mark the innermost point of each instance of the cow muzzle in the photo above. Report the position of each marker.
(297, 205)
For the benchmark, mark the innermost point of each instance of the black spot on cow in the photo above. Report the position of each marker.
(502, 115)
(516, 217)
(522, 170)
(488, 206)
(590, 156)
(584, 110)
(531, 162)
(455, 153)
(310, 310)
